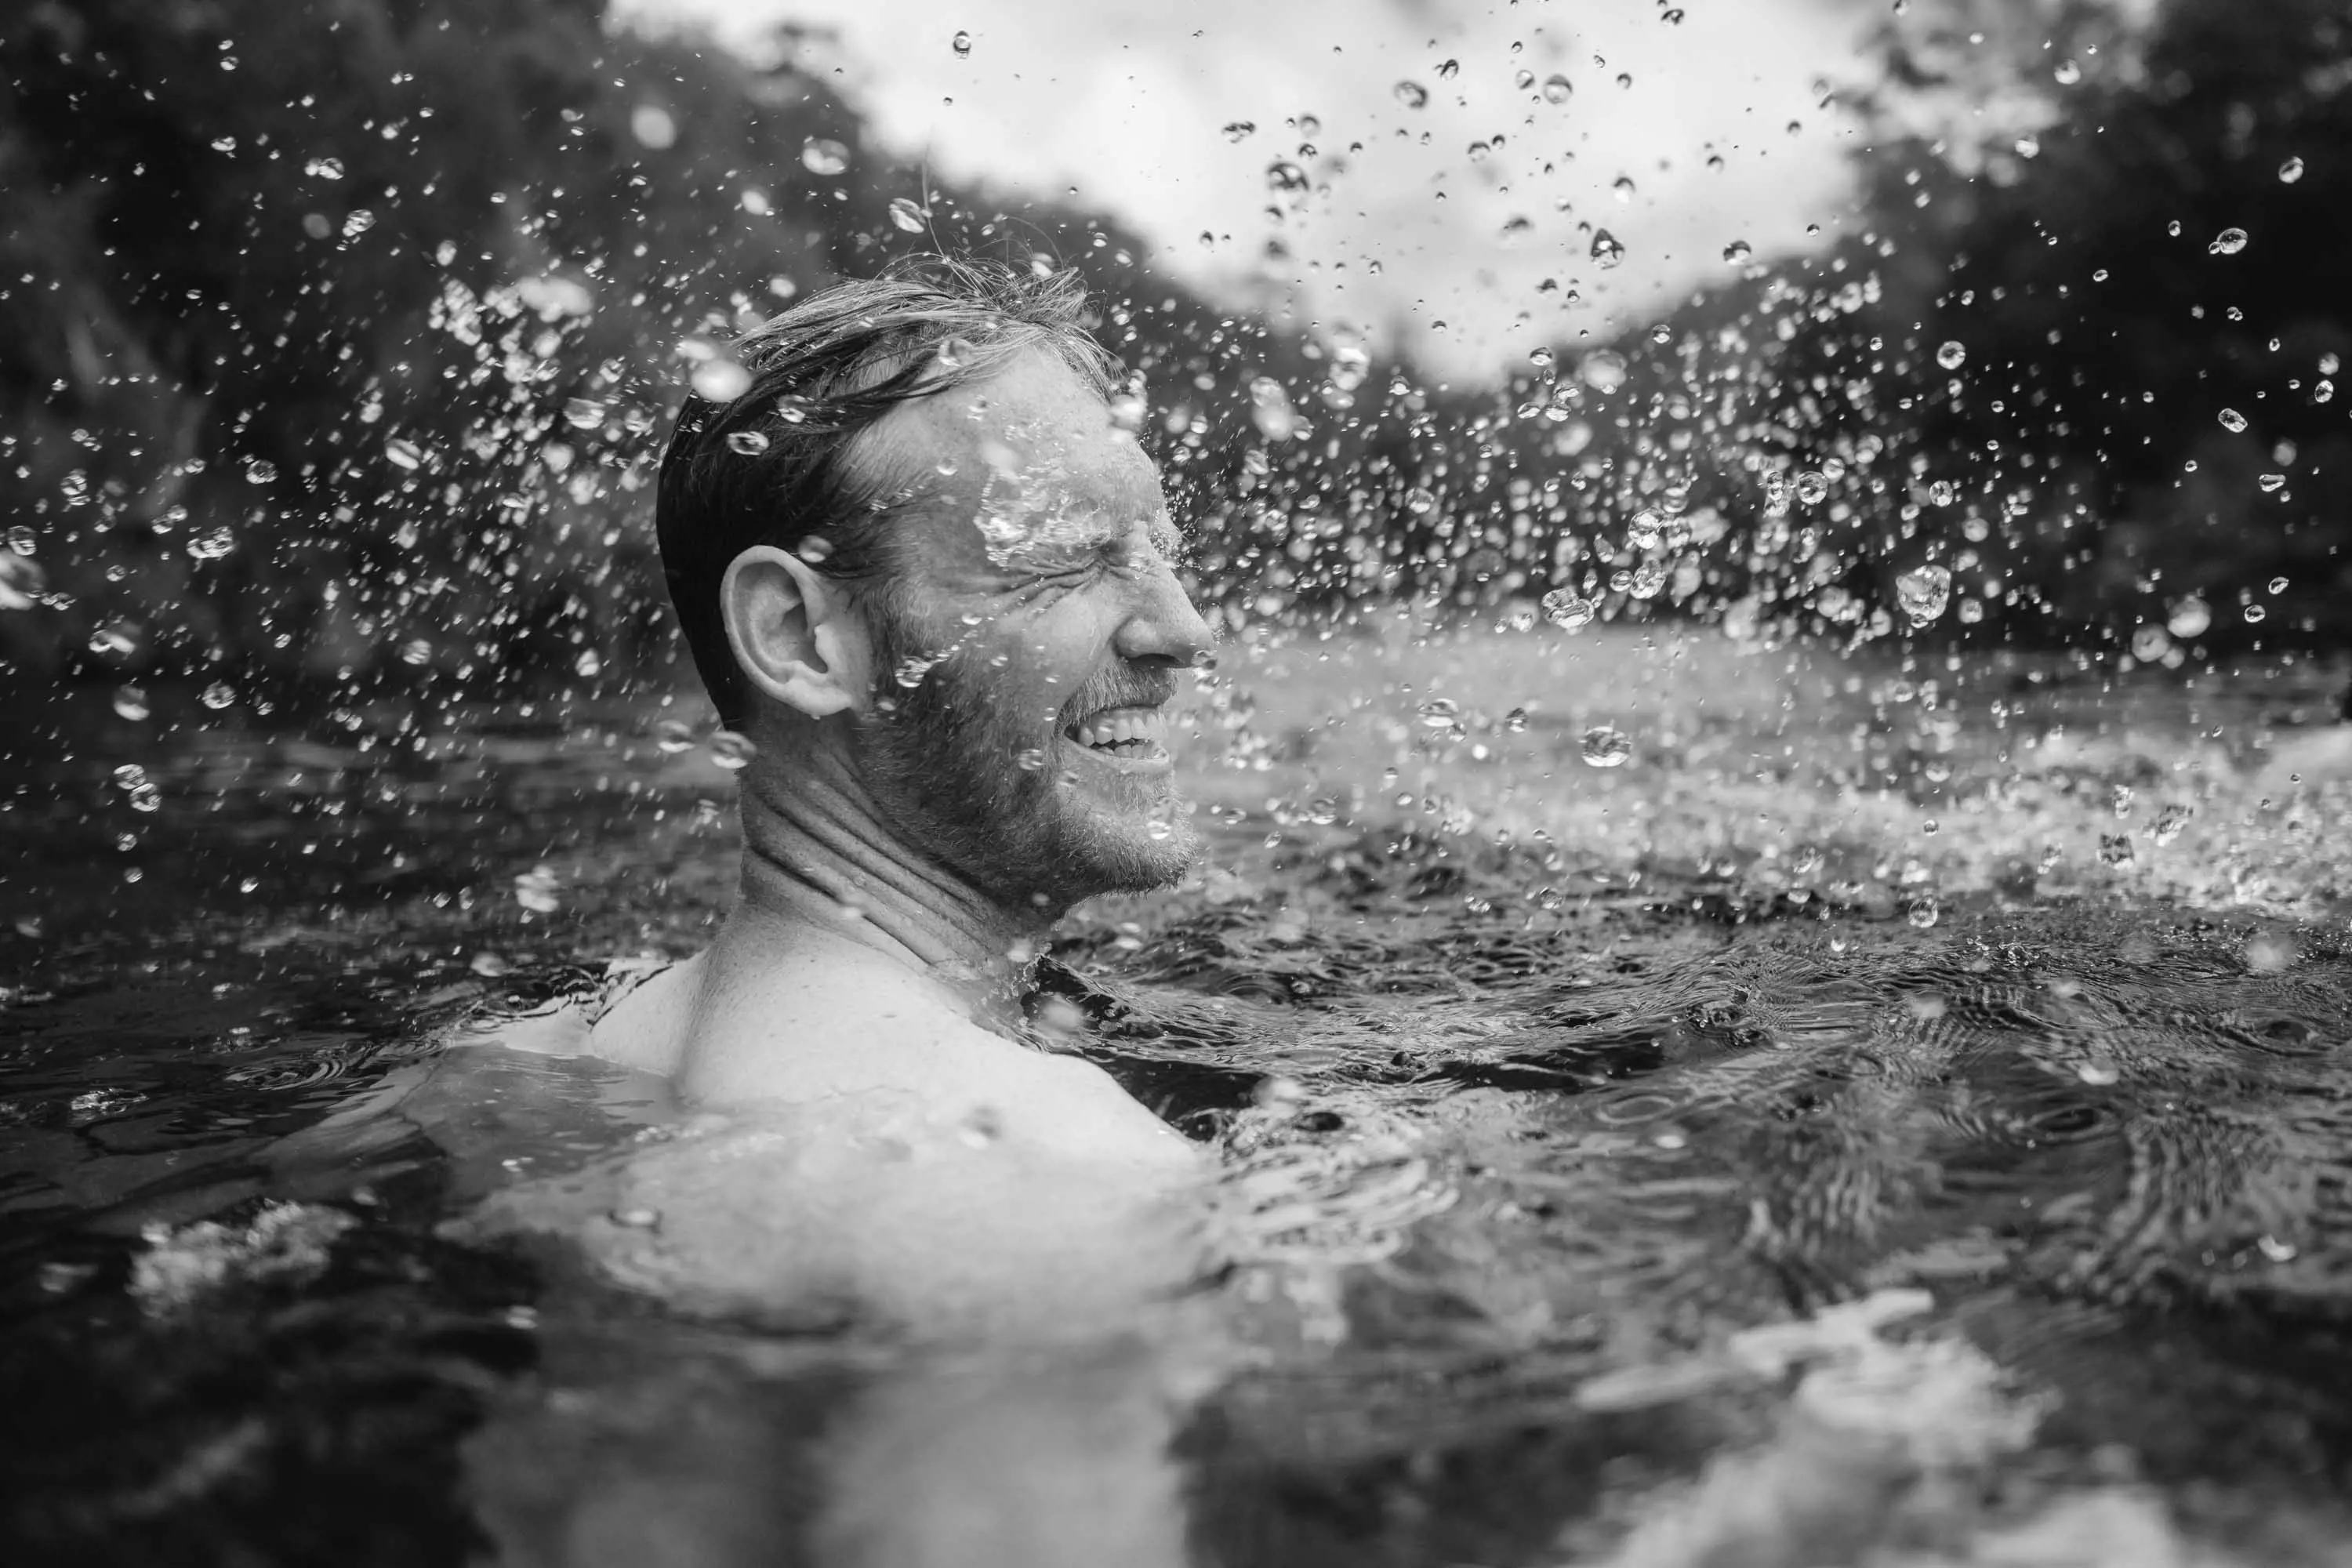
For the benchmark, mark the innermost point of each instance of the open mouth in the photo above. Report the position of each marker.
(1130, 734)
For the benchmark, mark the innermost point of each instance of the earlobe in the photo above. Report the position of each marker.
(786, 627)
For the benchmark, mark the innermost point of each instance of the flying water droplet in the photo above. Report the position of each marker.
(2228, 242)
(2291, 170)
(908, 215)
(1604, 747)
(2233, 420)
(720, 380)
(2272, 483)
(1602, 370)
(732, 750)
(1411, 94)
(1952, 355)
(960, 44)
(1738, 252)
(2068, 73)
(1924, 592)
(746, 443)
(1607, 252)
(2189, 618)
(1558, 89)
(823, 156)
(1568, 611)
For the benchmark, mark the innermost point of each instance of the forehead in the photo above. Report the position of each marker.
(1040, 415)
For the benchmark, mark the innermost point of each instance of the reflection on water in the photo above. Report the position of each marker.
(1694, 1161)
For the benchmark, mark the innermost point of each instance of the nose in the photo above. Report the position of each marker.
(1163, 627)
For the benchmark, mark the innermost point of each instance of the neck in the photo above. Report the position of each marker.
(820, 855)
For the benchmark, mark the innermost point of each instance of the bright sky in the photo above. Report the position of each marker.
(1442, 228)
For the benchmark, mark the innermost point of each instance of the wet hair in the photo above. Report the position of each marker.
(782, 462)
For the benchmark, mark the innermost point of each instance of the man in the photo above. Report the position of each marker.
(925, 574)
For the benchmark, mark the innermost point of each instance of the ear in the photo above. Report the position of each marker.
(792, 632)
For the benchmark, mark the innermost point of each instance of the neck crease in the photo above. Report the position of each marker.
(818, 853)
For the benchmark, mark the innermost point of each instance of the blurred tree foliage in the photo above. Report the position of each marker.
(2108, 318)
(338, 339)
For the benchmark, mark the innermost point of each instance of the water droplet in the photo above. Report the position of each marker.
(1448, 69)
(2291, 170)
(1568, 611)
(1541, 357)
(746, 443)
(583, 413)
(538, 890)
(653, 126)
(912, 669)
(1924, 592)
(220, 694)
(1029, 759)
(1270, 409)
(1239, 130)
(1925, 911)
(1606, 251)
(731, 750)
(1943, 492)
(2116, 849)
(1515, 722)
(2275, 1250)
(1604, 747)
(401, 453)
(1558, 89)
(1952, 355)
(1602, 370)
(2189, 618)
(1812, 487)
(793, 409)
(2272, 483)
(130, 702)
(822, 155)
(1411, 94)
(1622, 187)
(2228, 242)
(211, 545)
(1738, 252)
(1440, 713)
(673, 737)
(960, 44)
(1419, 501)
(324, 168)
(2169, 824)
(908, 214)
(2096, 1073)
(2233, 420)
(489, 965)
(637, 1218)
(1283, 176)
(260, 471)
(720, 380)
(2029, 146)
(1647, 579)
(2256, 615)
(2067, 72)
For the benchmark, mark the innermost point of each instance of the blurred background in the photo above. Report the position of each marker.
(339, 339)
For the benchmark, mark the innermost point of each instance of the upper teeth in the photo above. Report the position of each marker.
(1121, 724)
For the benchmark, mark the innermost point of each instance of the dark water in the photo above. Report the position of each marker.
(1685, 1217)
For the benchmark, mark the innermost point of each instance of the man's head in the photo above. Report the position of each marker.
(920, 543)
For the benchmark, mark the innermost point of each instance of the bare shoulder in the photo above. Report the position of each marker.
(646, 1030)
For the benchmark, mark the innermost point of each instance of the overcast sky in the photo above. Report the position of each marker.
(1130, 104)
